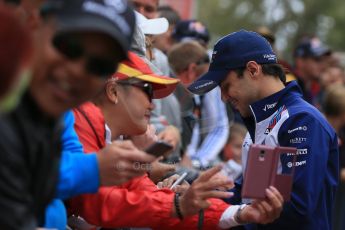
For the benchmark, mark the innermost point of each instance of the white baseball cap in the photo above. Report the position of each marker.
(153, 26)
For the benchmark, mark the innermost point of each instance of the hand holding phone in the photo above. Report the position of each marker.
(262, 171)
(159, 148)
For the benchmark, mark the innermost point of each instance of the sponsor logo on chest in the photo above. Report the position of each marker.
(298, 140)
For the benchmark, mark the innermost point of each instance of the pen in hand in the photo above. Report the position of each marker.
(179, 180)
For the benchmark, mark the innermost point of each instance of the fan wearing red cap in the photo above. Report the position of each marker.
(134, 86)
(136, 69)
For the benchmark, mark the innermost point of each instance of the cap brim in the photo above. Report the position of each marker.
(91, 23)
(154, 26)
(207, 82)
(162, 85)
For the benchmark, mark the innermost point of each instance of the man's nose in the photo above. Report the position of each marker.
(152, 106)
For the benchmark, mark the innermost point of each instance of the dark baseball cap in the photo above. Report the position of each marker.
(232, 52)
(191, 30)
(311, 47)
(114, 18)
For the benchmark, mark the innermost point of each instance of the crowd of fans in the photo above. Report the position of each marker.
(88, 85)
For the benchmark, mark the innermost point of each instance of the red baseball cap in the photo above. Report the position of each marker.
(136, 67)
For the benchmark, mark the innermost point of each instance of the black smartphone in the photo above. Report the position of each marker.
(159, 148)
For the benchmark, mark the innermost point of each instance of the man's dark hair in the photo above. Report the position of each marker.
(274, 70)
(267, 69)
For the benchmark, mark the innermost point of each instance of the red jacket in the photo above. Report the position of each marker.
(137, 203)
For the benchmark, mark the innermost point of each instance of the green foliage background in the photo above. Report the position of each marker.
(287, 19)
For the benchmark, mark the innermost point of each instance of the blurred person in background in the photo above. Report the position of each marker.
(164, 41)
(187, 30)
(310, 56)
(148, 8)
(211, 129)
(232, 153)
(333, 106)
(333, 75)
(156, 56)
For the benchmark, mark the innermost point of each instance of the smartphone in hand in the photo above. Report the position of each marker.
(159, 148)
(262, 170)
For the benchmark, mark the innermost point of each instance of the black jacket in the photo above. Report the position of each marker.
(30, 148)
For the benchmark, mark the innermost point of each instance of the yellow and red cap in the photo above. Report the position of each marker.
(136, 67)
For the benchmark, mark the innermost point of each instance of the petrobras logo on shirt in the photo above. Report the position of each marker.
(304, 128)
(298, 140)
(296, 164)
(269, 106)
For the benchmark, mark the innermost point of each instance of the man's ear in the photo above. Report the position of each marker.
(253, 68)
(111, 90)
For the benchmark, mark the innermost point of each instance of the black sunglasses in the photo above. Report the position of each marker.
(71, 47)
(146, 87)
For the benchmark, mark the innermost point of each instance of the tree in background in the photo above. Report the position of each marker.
(289, 19)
